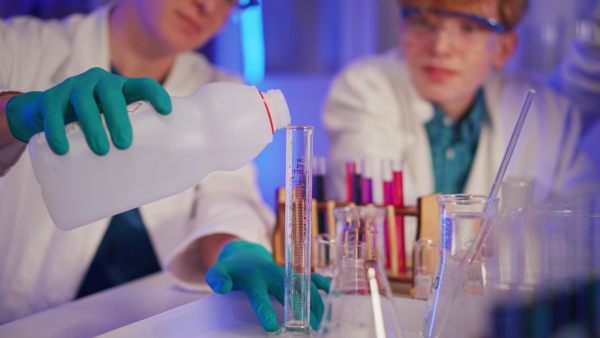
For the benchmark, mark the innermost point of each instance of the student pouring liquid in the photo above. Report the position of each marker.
(54, 72)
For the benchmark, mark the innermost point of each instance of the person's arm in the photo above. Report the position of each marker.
(249, 267)
(575, 171)
(11, 149)
(201, 254)
(80, 98)
(6, 136)
(226, 203)
(229, 246)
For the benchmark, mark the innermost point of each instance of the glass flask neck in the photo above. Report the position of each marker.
(360, 233)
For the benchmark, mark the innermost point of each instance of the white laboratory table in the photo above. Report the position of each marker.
(153, 307)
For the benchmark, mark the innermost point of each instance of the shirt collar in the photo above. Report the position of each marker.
(469, 123)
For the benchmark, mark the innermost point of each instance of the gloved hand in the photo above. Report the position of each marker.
(82, 97)
(250, 267)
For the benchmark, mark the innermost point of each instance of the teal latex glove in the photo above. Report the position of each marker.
(249, 267)
(82, 97)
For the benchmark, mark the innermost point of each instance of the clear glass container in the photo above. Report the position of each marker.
(325, 256)
(298, 211)
(548, 282)
(514, 271)
(460, 219)
(426, 256)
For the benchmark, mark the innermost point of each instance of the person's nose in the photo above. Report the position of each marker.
(442, 41)
(207, 6)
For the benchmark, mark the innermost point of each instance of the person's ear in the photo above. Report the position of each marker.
(506, 46)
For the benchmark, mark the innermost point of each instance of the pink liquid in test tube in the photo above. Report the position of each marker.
(386, 177)
(349, 179)
(367, 182)
(398, 198)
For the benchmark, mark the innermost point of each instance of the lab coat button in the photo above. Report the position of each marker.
(447, 121)
(450, 154)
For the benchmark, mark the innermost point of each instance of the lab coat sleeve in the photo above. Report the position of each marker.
(9, 153)
(575, 171)
(29, 47)
(578, 75)
(227, 202)
(359, 117)
(9, 49)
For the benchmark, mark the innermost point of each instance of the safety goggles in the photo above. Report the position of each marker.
(468, 30)
(489, 23)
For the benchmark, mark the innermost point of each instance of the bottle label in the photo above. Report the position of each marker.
(137, 107)
(75, 127)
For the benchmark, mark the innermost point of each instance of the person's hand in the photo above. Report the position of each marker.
(250, 267)
(82, 98)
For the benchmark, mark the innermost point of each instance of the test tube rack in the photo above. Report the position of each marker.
(426, 213)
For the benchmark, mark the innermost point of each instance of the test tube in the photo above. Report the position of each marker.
(388, 199)
(299, 153)
(350, 168)
(319, 172)
(386, 177)
(367, 181)
(356, 182)
(398, 199)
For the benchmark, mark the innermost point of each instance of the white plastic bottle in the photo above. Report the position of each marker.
(222, 126)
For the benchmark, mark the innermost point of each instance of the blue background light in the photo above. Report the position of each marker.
(253, 44)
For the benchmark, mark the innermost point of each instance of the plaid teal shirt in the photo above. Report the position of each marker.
(453, 145)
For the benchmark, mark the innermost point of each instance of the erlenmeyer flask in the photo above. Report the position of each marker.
(360, 303)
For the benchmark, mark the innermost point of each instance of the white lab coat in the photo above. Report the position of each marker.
(42, 266)
(578, 74)
(373, 110)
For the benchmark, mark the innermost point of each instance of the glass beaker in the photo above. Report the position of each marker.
(325, 256)
(426, 256)
(460, 219)
(568, 237)
(561, 298)
(360, 302)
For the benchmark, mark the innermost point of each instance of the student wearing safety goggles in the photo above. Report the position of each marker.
(442, 103)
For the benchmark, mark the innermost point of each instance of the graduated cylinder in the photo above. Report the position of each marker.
(298, 211)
